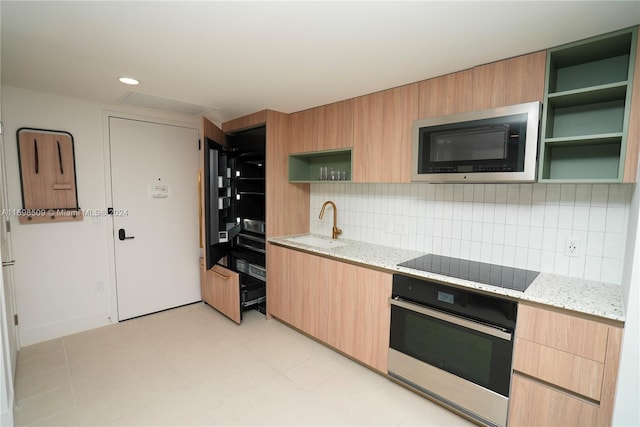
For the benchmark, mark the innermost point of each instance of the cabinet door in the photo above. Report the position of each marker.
(224, 292)
(277, 281)
(448, 94)
(335, 125)
(311, 303)
(382, 125)
(582, 337)
(294, 292)
(512, 81)
(566, 370)
(203, 281)
(359, 296)
(246, 122)
(566, 365)
(303, 135)
(342, 305)
(534, 404)
(284, 282)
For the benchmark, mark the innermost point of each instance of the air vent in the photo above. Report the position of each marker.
(164, 104)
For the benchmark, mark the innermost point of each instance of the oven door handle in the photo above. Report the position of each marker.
(470, 324)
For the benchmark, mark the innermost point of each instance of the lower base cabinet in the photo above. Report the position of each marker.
(220, 289)
(533, 403)
(565, 369)
(340, 304)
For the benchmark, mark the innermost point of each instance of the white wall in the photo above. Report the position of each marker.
(518, 225)
(58, 265)
(627, 411)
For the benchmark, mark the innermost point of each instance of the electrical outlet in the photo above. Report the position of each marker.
(572, 247)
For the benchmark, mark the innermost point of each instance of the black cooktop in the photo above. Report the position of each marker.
(491, 274)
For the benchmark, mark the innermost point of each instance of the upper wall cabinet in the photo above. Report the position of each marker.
(382, 134)
(335, 125)
(509, 82)
(444, 95)
(328, 127)
(303, 131)
(586, 111)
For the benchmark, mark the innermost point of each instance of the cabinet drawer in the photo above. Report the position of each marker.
(577, 374)
(534, 404)
(582, 337)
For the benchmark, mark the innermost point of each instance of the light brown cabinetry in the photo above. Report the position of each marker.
(303, 131)
(335, 125)
(379, 126)
(535, 404)
(509, 82)
(564, 369)
(247, 122)
(498, 84)
(448, 94)
(327, 127)
(342, 305)
(221, 290)
(203, 280)
(382, 124)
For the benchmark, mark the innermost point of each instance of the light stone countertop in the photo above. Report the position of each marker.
(593, 298)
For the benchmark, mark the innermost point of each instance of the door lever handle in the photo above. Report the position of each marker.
(122, 235)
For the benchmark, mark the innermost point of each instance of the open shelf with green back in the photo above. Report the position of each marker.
(305, 167)
(586, 109)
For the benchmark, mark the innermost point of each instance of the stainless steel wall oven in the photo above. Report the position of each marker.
(453, 345)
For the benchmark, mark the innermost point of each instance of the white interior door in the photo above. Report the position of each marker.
(154, 185)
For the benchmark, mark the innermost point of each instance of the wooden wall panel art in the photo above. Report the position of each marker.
(47, 176)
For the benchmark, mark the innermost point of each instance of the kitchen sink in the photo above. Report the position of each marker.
(319, 242)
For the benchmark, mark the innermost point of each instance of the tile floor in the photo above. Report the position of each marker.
(191, 366)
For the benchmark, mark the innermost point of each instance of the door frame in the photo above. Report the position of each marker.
(111, 237)
(10, 334)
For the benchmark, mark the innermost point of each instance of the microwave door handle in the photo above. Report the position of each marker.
(470, 324)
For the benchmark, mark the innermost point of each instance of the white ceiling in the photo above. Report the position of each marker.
(240, 57)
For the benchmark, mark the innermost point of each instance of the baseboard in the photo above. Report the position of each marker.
(51, 331)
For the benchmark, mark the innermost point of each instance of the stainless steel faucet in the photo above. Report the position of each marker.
(335, 232)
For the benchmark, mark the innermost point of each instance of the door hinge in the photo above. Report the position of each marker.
(15, 320)
(8, 226)
(199, 146)
(1, 128)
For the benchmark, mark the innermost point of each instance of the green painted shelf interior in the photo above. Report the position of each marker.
(586, 109)
(305, 167)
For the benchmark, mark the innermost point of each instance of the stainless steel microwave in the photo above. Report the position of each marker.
(500, 144)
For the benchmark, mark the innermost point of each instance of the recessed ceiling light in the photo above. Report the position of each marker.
(128, 80)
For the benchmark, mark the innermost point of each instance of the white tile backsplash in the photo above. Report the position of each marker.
(518, 225)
